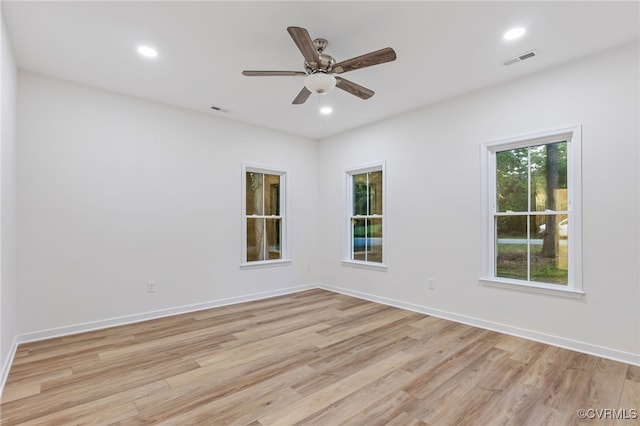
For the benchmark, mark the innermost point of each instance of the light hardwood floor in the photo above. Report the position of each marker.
(311, 358)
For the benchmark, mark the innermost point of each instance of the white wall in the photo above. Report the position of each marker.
(7, 201)
(433, 203)
(115, 192)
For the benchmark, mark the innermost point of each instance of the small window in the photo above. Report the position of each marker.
(263, 215)
(533, 213)
(365, 221)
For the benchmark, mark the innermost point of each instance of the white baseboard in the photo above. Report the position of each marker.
(615, 355)
(562, 342)
(8, 363)
(130, 319)
(145, 316)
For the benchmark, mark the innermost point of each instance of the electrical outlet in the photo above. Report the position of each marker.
(151, 287)
(432, 284)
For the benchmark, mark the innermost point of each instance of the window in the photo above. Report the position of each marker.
(365, 221)
(263, 215)
(532, 189)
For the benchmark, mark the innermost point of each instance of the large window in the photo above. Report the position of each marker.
(365, 188)
(263, 215)
(533, 229)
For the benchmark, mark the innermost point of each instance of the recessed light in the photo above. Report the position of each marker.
(326, 110)
(147, 51)
(514, 33)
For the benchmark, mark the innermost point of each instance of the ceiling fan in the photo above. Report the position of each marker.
(320, 68)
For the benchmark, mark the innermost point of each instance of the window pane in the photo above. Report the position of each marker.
(375, 192)
(255, 239)
(549, 249)
(511, 247)
(274, 237)
(272, 195)
(512, 180)
(374, 240)
(254, 193)
(360, 195)
(549, 176)
(358, 232)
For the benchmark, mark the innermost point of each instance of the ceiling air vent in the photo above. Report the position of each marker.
(520, 58)
(216, 108)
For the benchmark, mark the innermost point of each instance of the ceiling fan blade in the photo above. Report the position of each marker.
(353, 88)
(302, 96)
(303, 40)
(272, 73)
(373, 58)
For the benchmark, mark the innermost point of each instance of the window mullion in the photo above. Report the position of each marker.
(264, 222)
(528, 214)
(264, 212)
(353, 238)
(368, 196)
(354, 217)
(366, 221)
(492, 181)
(366, 239)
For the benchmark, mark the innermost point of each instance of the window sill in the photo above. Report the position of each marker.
(365, 265)
(264, 264)
(531, 288)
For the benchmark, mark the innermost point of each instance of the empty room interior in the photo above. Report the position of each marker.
(275, 213)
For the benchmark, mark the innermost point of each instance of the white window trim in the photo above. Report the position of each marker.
(573, 136)
(259, 168)
(348, 205)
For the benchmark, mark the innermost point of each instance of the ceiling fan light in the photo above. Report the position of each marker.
(320, 82)
(147, 51)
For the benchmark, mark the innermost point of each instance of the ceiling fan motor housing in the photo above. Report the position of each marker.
(325, 62)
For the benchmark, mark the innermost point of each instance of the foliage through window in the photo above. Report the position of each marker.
(531, 211)
(531, 217)
(366, 215)
(263, 214)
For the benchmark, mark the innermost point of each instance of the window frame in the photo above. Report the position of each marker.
(573, 137)
(270, 170)
(348, 239)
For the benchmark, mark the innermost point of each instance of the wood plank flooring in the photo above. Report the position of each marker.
(311, 358)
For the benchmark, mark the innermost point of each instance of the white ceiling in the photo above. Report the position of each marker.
(444, 49)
